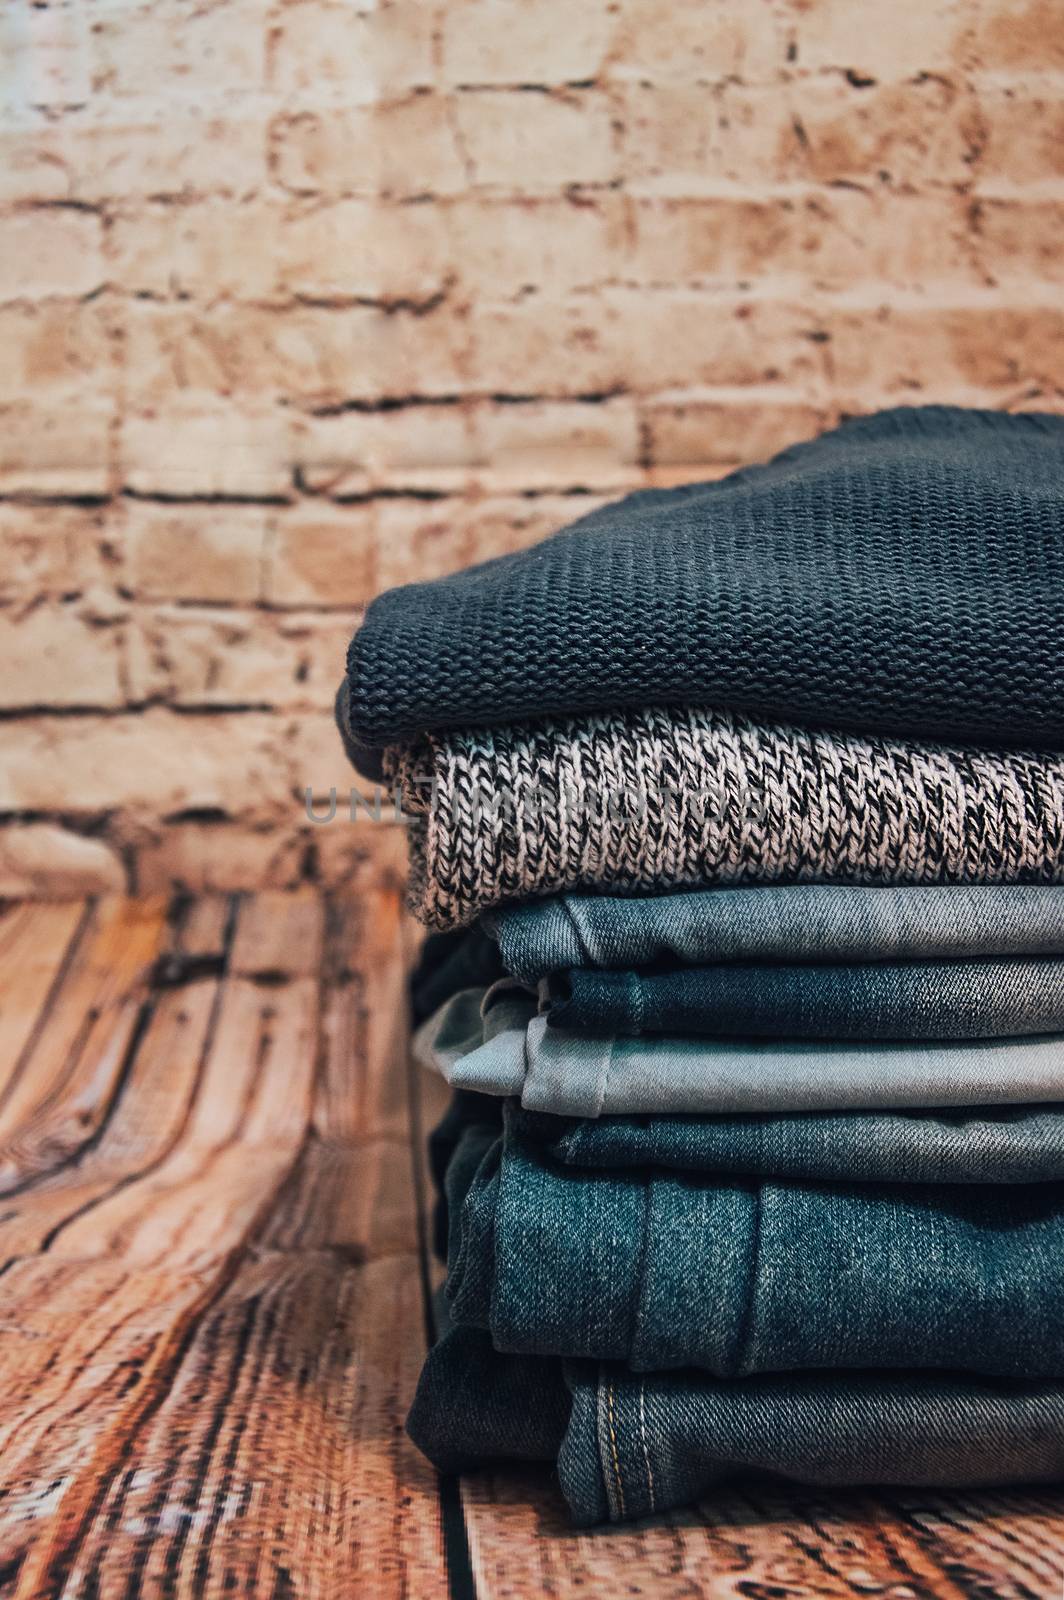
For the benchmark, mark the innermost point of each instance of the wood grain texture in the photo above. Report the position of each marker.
(213, 1295)
(211, 1313)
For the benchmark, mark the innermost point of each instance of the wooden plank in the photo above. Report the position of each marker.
(139, 1127)
(758, 1542)
(71, 1067)
(83, 1350)
(34, 940)
(216, 1174)
(362, 1085)
(277, 1464)
(212, 1319)
(279, 935)
(202, 926)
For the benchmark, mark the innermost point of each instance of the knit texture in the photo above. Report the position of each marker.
(903, 574)
(664, 798)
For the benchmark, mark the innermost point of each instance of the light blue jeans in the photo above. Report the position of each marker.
(819, 922)
(506, 1048)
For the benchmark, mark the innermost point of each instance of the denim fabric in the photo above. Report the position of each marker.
(664, 1270)
(798, 922)
(448, 963)
(628, 1445)
(1018, 1144)
(989, 998)
(512, 1051)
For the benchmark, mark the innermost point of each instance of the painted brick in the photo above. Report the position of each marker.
(1019, 240)
(688, 41)
(202, 451)
(60, 448)
(53, 656)
(365, 248)
(1024, 33)
(358, 53)
(401, 148)
(49, 252)
(316, 356)
(47, 552)
(47, 56)
(413, 447)
(41, 861)
(181, 553)
(55, 346)
(522, 140)
(204, 249)
(984, 351)
(511, 41)
(36, 162)
(197, 657)
(1022, 133)
(501, 249)
(144, 50)
(928, 131)
(132, 154)
(323, 555)
(218, 857)
(561, 446)
(168, 763)
(627, 338)
(692, 428)
(835, 238)
(857, 37)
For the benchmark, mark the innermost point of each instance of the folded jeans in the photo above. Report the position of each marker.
(818, 922)
(628, 1445)
(987, 1145)
(505, 1048)
(664, 1269)
(990, 998)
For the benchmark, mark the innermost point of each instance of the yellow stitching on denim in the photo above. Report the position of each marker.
(643, 1433)
(613, 1446)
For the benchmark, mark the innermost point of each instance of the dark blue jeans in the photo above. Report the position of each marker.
(1013, 1144)
(627, 1445)
(994, 997)
(661, 1269)
(982, 1145)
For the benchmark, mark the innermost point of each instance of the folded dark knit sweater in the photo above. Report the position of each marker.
(903, 574)
(662, 798)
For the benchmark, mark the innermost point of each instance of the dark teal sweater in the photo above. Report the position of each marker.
(903, 574)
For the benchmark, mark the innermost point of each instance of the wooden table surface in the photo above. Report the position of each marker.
(213, 1306)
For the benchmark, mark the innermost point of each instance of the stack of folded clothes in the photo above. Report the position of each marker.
(741, 807)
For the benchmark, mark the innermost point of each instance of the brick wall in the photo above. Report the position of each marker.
(301, 300)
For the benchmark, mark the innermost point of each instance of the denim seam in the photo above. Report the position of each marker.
(638, 1277)
(582, 944)
(614, 1453)
(637, 1001)
(643, 1436)
(746, 1321)
(605, 1078)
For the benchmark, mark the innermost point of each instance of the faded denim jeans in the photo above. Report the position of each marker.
(627, 1444)
(987, 1145)
(992, 997)
(818, 922)
(663, 1270)
(509, 1050)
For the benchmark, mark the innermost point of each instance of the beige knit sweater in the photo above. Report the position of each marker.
(659, 799)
